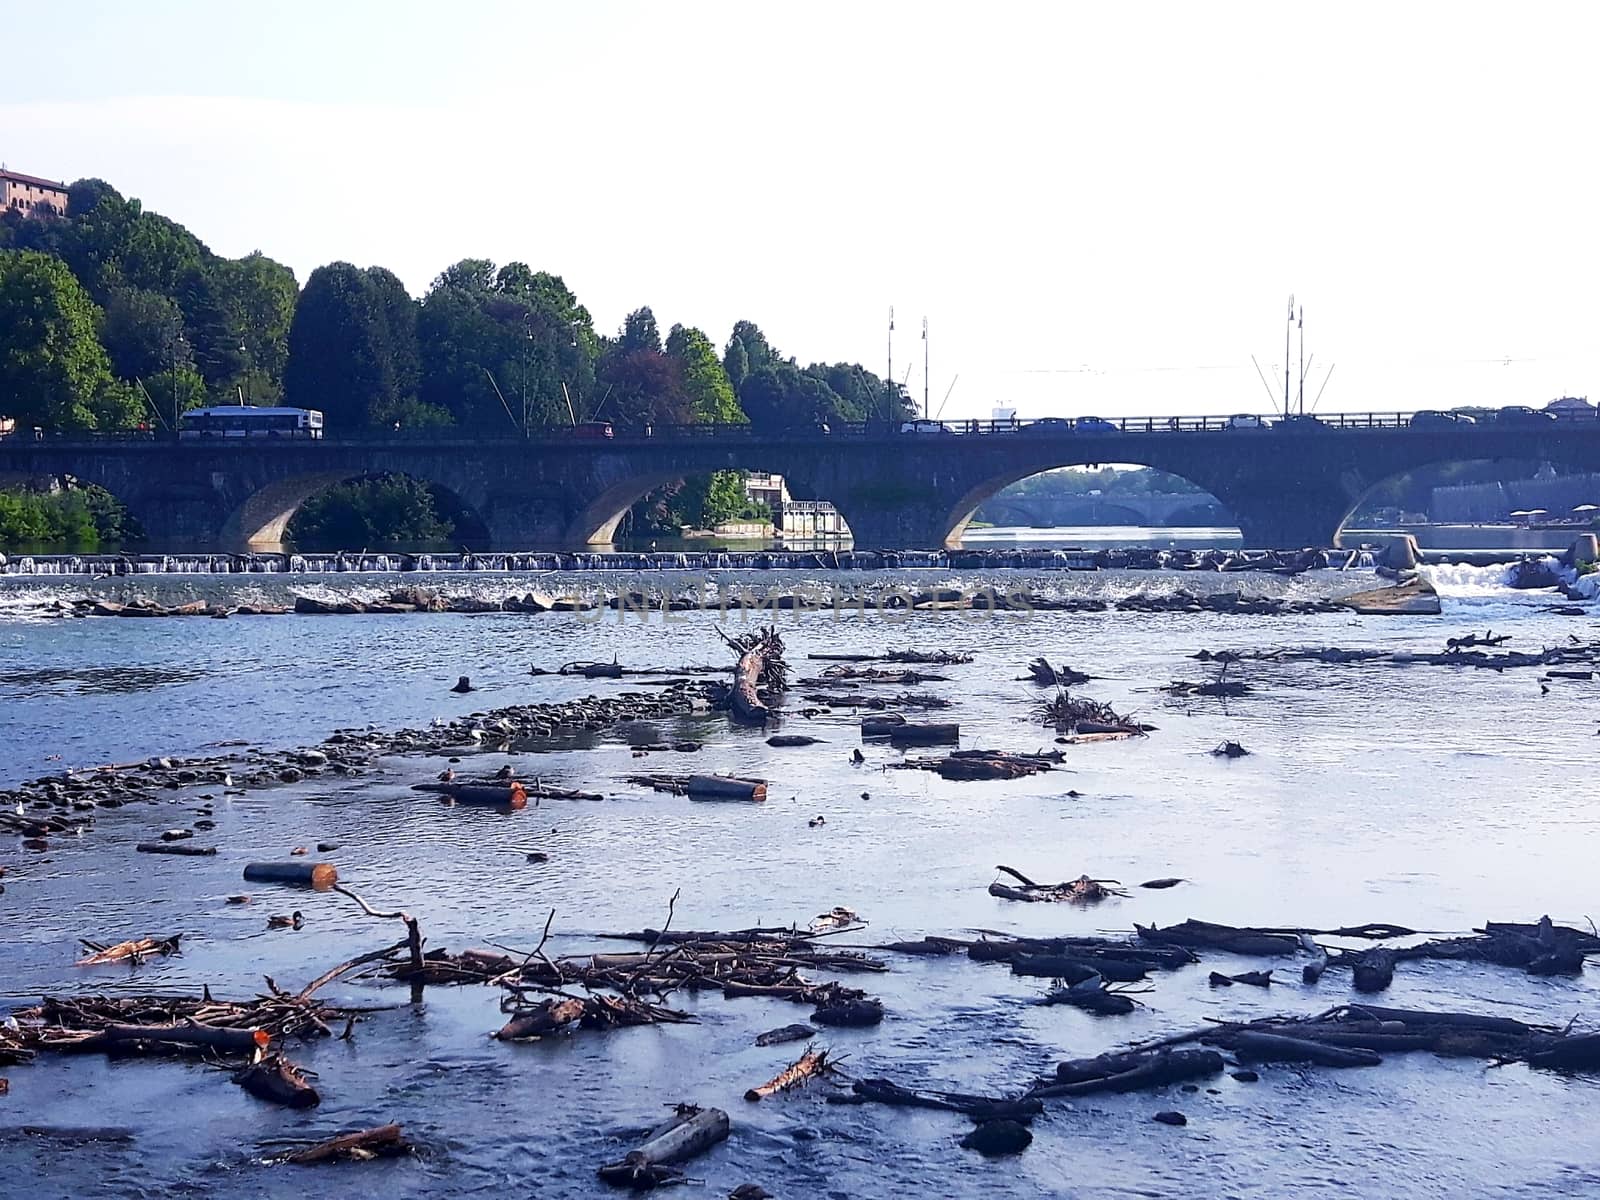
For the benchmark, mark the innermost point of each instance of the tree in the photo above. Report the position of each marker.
(259, 295)
(167, 399)
(640, 332)
(345, 358)
(757, 352)
(705, 383)
(736, 363)
(506, 346)
(640, 387)
(138, 331)
(784, 397)
(54, 373)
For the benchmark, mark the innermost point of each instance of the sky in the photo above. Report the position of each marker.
(1098, 208)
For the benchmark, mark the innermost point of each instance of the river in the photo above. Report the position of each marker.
(1422, 796)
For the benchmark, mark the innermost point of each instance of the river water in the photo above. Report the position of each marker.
(1422, 796)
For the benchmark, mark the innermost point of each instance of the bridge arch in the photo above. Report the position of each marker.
(595, 524)
(1480, 494)
(960, 514)
(261, 520)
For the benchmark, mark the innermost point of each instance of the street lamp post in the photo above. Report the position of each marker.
(176, 344)
(244, 355)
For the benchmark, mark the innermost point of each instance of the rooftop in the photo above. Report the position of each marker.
(35, 180)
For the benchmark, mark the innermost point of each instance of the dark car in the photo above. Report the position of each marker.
(1094, 425)
(1049, 425)
(1299, 423)
(1432, 419)
(1521, 415)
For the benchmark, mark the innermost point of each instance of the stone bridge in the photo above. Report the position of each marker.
(1149, 508)
(1285, 487)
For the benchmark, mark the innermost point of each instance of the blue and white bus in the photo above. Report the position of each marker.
(245, 421)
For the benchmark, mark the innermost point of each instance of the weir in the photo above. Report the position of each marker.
(121, 565)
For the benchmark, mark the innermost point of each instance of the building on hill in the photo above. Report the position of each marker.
(32, 196)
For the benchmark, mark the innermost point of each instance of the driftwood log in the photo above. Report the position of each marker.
(317, 875)
(278, 1081)
(691, 1131)
(807, 1066)
(385, 1141)
(133, 952)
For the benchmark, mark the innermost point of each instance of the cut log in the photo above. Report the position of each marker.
(1373, 970)
(483, 795)
(545, 1018)
(1415, 1019)
(318, 875)
(788, 1033)
(722, 787)
(812, 1062)
(385, 1141)
(1133, 1072)
(784, 741)
(1220, 937)
(224, 1039)
(908, 734)
(183, 849)
(985, 1108)
(277, 1080)
(851, 1013)
(690, 1132)
(1271, 1047)
(1579, 1053)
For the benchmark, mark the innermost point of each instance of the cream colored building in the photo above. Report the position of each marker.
(32, 196)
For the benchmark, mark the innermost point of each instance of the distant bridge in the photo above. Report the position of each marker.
(1287, 486)
(1150, 508)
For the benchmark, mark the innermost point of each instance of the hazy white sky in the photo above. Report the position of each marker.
(1100, 207)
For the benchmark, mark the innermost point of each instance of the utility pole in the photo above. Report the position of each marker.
(177, 341)
(925, 409)
(888, 380)
(1288, 333)
(1302, 325)
(527, 349)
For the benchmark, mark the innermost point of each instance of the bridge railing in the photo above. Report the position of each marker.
(1044, 426)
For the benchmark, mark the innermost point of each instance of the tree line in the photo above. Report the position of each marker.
(112, 317)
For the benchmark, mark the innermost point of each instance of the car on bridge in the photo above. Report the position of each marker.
(1049, 425)
(1094, 425)
(1246, 421)
(922, 425)
(1432, 419)
(1521, 416)
(1299, 423)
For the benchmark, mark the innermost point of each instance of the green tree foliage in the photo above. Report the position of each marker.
(389, 512)
(784, 397)
(160, 393)
(862, 395)
(747, 352)
(506, 347)
(705, 382)
(736, 363)
(353, 350)
(54, 373)
(79, 519)
(151, 275)
(640, 332)
(722, 499)
(138, 332)
(259, 296)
